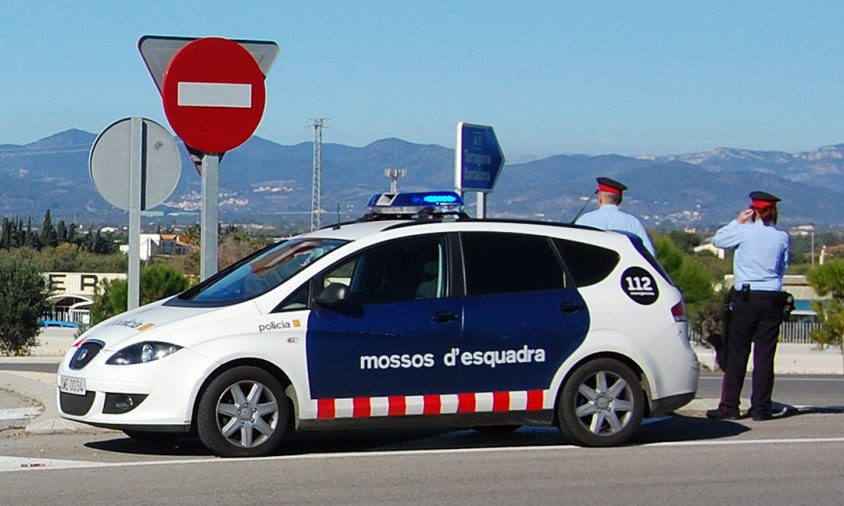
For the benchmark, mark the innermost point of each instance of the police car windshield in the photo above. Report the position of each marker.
(261, 272)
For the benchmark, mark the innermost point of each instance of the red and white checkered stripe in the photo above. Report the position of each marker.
(433, 404)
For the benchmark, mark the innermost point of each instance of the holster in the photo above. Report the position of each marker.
(787, 301)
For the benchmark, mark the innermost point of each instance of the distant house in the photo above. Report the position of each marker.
(709, 248)
(161, 244)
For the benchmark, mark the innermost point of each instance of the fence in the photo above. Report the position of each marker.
(790, 332)
(798, 332)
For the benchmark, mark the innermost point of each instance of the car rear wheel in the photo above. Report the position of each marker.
(601, 404)
(243, 413)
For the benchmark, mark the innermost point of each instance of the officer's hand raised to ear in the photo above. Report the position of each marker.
(745, 216)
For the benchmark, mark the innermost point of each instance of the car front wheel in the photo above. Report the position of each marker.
(243, 413)
(601, 404)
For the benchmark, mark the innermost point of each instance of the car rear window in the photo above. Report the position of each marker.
(587, 263)
(504, 263)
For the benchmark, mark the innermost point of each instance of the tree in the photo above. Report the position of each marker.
(11, 236)
(23, 300)
(61, 232)
(669, 255)
(828, 280)
(48, 232)
(109, 300)
(158, 281)
(686, 241)
(6, 235)
(696, 282)
(30, 240)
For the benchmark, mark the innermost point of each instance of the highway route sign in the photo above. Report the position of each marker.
(478, 158)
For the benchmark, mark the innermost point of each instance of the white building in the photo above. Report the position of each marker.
(72, 293)
(160, 244)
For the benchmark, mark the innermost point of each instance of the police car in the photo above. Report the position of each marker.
(415, 315)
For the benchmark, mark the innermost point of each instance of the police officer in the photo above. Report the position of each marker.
(609, 217)
(756, 301)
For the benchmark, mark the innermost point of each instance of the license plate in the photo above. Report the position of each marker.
(75, 386)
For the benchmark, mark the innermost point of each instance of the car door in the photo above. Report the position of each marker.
(522, 315)
(390, 337)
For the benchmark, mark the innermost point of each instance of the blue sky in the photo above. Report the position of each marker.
(626, 77)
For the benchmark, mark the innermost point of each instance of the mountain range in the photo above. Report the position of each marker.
(269, 183)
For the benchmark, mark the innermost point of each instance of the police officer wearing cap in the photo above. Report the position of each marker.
(756, 301)
(609, 217)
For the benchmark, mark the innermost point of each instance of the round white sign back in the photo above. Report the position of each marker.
(111, 158)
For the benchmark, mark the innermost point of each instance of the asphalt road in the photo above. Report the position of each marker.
(793, 390)
(795, 458)
(682, 460)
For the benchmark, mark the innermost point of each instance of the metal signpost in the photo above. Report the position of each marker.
(214, 96)
(135, 165)
(478, 160)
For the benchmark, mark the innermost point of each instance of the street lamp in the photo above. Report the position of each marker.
(394, 175)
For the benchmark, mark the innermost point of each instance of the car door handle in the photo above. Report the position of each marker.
(444, 317)
(571, 307)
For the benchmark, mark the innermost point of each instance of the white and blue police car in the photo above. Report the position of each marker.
(415, 315)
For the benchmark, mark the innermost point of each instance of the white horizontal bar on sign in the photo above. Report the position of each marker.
(215, 95)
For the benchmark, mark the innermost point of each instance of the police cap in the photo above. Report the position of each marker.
(606, 184)
(761, 200)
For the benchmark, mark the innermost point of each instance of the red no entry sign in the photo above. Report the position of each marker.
(214, 95)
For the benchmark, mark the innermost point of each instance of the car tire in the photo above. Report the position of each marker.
(601, 404)
(243, 413)
(161, 439)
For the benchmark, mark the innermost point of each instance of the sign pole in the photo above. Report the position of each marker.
(136, 176)
(481, 205)
(135, 165)
(210, 208)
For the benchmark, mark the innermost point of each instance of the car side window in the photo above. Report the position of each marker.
(504, 263)
(398, 271)
(587, 263)
(296, 301)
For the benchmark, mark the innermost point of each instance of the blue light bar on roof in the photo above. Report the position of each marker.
(411, 202)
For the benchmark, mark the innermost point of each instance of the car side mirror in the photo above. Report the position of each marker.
(335, 294)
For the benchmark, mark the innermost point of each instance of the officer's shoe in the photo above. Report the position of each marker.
(761, 416)
(719, 414)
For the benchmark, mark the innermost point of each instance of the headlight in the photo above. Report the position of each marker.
(141, 353)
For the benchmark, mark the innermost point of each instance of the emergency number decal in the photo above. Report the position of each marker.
(639, 285)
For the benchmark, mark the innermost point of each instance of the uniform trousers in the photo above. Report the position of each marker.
(755, 318)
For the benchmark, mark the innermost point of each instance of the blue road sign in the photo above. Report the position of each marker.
(478, 158)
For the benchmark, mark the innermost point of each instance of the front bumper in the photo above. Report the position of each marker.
(157, 395)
